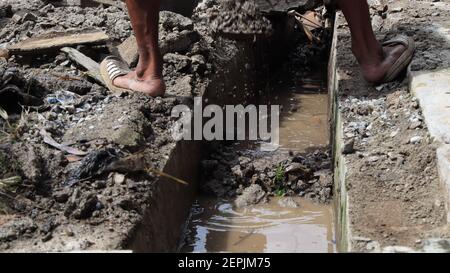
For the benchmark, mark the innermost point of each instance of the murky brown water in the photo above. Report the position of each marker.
(307, 126)
(218, 227)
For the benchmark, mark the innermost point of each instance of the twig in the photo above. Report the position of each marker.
(304, 17)
(160, 173)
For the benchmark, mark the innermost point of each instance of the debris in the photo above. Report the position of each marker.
(10, 184)
(309, 23)
(95, 163)
(415, 140)
(107, 3)
(348, 146)
(73, 158)
(4, 53)
(250, 196)
(276, 6)
(137, 163)
(53, 41)
(92, 67)
(50, 141)
(288, 202)
(62, 97)
(128, 51)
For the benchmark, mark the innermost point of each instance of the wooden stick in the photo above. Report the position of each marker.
(92, 67)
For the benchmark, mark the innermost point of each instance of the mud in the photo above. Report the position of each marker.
(95, 196)
(234, 17)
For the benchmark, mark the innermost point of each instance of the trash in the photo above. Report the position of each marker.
(308, 22)
(50, 141)
(10, 184)
(73, 158)
(4, 114)
(95, 163)
(63, 98)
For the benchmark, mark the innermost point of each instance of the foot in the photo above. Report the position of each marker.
(375, 72)
(150, 85)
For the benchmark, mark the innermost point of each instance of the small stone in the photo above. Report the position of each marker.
(288, 202)
(349, 146)
(119, 178)
(415, 140)
(250, 196)
(29, 17)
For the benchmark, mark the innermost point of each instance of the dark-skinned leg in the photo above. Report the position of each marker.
(373, 59)
(147, 78)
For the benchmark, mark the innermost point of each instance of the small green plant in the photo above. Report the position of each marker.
(278, 180)
(279, 192)
(279, 174)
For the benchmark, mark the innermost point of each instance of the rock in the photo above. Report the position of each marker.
(295, 168)
(415, 140)
(237, 172)
(326, 180)
(178, 41)
(180, 62)
(182, 87)
(349, 146)
(302, 186)
(415, 124)
(32, 164)
(119, 178)
(29, 17)
(250, 196)
(6, 11)
(128, 204)
(61, 196)
(170, 20)
(288, 202)
(86, 207)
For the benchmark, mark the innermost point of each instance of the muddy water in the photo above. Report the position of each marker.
(304, 122)
(218, 227)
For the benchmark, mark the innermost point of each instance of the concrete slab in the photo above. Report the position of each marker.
(443, 155)
(432, 88)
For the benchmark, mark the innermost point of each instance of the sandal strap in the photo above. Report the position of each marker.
(401, 39)
(114, 68)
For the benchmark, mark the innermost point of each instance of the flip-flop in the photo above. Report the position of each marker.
(403, 61)
(112, 68)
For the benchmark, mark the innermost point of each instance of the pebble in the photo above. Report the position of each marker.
(415, 140)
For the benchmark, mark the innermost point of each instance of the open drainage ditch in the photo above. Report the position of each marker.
(297, 214)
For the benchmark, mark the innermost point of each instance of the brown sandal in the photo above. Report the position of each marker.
(403, 61)
(112, 68)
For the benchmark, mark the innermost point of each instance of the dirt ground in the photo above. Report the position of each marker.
(395, 197)
(93, 187)
(75, 156)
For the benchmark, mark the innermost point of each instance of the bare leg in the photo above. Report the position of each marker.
(374, 59)
(147, 77)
